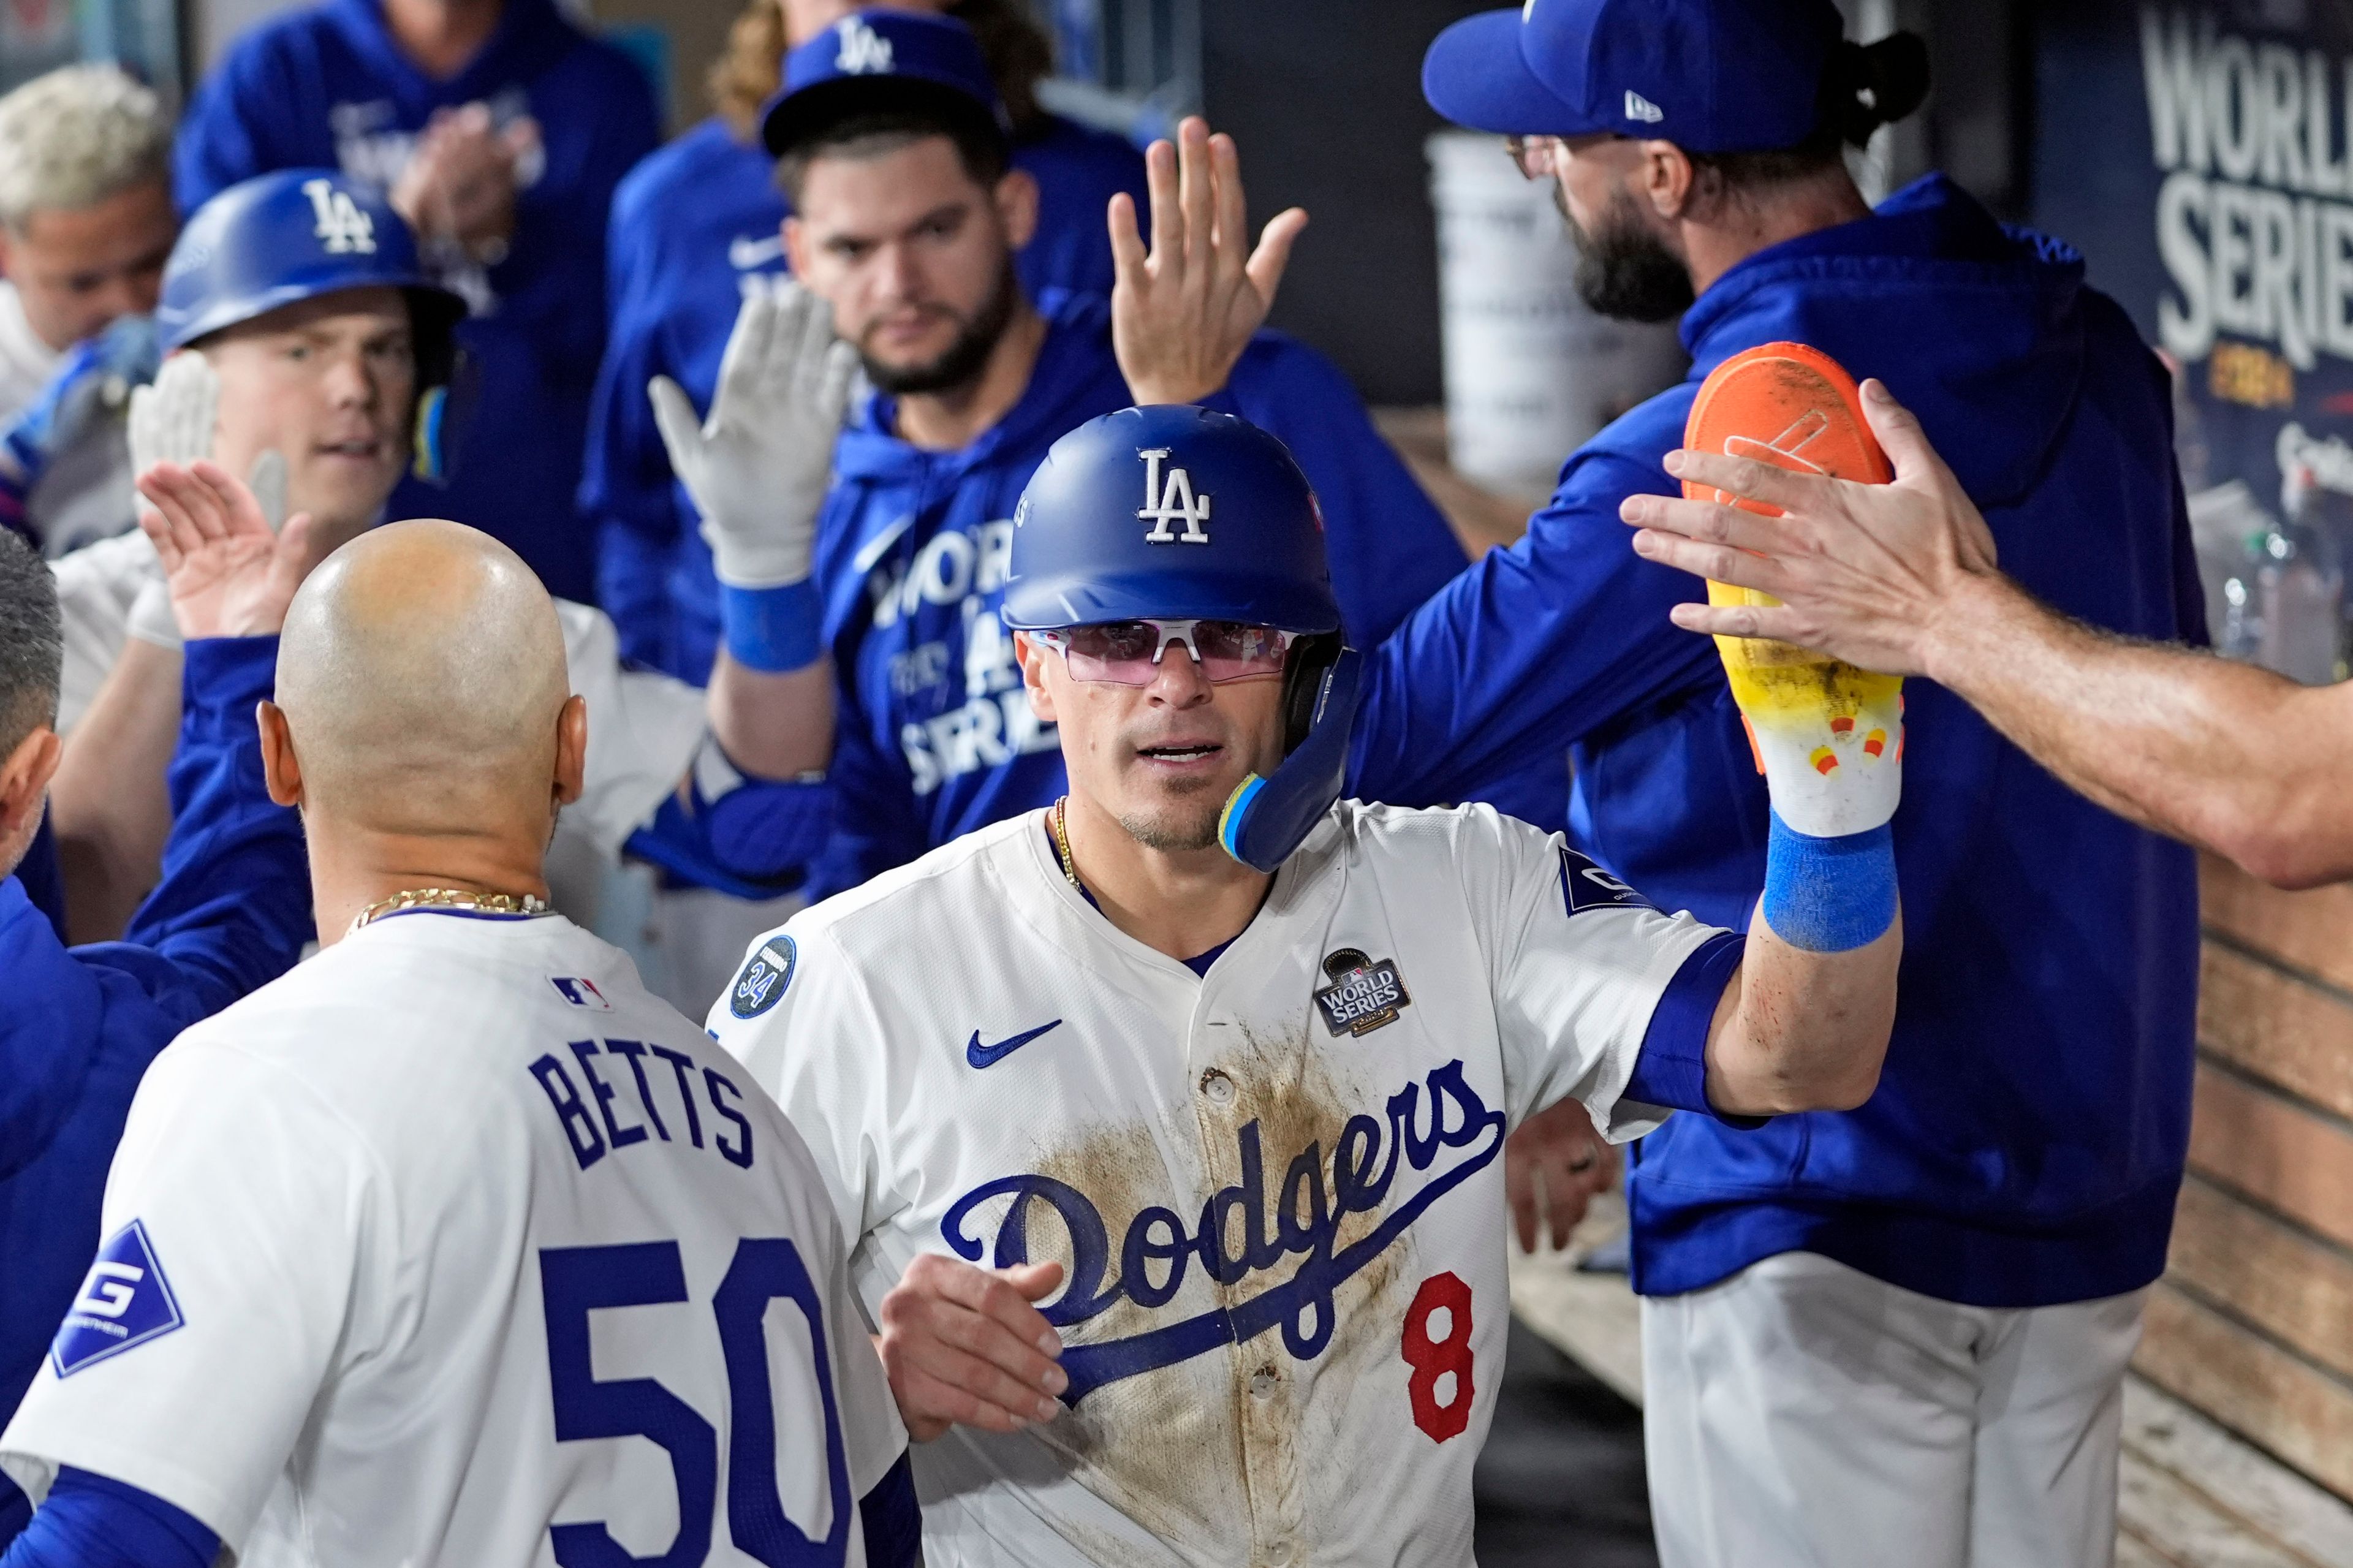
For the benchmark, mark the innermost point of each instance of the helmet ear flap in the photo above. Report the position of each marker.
(1303, 683)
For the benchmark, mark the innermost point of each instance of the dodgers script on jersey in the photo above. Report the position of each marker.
(456, 1247)
(1276, 1189)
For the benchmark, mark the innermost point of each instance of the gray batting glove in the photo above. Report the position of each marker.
(173, 419)
(759, 467)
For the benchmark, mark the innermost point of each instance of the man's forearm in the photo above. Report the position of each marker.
(772, 726)
(1798, 1030)
(109, 804)
(2223, 755)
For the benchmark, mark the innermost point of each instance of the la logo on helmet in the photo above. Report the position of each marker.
(1174, 503)
(342, 227)
(864, 51)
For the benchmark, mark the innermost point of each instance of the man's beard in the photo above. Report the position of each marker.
(1175, 830)
(960, 363)
(1623, 270)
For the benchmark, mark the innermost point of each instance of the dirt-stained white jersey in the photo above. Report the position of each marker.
(643, 727)
(454, 1247)
(1277, 1187)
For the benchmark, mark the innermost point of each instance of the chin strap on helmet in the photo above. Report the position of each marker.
(1266, 818)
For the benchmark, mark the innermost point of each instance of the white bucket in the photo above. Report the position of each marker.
(1531, 372)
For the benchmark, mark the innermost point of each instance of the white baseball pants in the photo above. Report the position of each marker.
(1804, 1415)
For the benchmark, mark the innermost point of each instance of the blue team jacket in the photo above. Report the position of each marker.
(325, 86)
(81, 1024)
(2027, 1136)
(935, 737)
(694, 230)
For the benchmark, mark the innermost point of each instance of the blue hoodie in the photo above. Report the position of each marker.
(81, 1024)
(325, 86)
(935, 735)
(694, 229)
(2028, 1135)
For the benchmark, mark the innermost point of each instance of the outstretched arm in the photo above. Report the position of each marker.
(1901, 577)
(1802, 1029)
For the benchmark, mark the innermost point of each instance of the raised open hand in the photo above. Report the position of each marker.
(230, 574)
(1182, 313)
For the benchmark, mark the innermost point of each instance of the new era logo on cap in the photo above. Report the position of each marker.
(125, 1301)
(1642, 108)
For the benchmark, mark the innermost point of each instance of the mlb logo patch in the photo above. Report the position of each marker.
(1363, 995)
(761, 984)
(125, 1301)
(580, 993)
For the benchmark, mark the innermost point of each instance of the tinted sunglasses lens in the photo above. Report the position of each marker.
(1229, 650)
(1120, 653)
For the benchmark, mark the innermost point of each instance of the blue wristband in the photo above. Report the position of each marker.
(773, 630)
(1830, 895)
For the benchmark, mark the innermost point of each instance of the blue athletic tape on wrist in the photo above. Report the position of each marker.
(1830, 895)
(773, 630)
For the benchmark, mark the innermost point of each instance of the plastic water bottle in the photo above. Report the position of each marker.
(2299, 586)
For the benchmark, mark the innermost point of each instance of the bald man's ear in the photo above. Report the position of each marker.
(280, 769)
(571, 750)
(25, 780)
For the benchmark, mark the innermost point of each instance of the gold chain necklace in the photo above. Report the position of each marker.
(451, 898)
(1063, 843)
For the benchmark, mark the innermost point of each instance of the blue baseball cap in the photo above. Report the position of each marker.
(1711, 76)
(879, 61)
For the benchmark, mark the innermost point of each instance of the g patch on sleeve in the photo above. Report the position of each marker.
(125, 1301)
(761, 984)
(1586, 885)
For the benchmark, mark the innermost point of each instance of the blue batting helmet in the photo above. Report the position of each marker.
(1172, 511)
(1228, 528)
(281, 238)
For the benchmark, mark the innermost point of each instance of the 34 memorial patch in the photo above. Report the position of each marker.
(761, 984)
(1586, 885)
(124, 1302)
(1363, 995)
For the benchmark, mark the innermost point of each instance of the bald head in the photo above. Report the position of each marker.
(422, 679)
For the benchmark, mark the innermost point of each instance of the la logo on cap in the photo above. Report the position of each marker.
(342, 227)
(1174, 503)
(864, 51)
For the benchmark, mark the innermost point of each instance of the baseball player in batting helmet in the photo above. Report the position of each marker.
(309, 356)
(1165, 1120)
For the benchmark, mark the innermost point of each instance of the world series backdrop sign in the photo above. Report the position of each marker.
(2201, 157)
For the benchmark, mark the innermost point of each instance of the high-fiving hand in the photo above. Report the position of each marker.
(230, 573)
(1183, 314)
(1862, 571)
(758, 467)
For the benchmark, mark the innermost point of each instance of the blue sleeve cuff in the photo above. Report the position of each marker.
(93, 1522)
(773, 630)
(222, 679)
(892, 1521)
(1670, 1067)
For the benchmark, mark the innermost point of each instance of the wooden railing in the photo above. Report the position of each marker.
(2253, 1321)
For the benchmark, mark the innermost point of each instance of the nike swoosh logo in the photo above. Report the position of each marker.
(744, 253)
(981, 1056)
